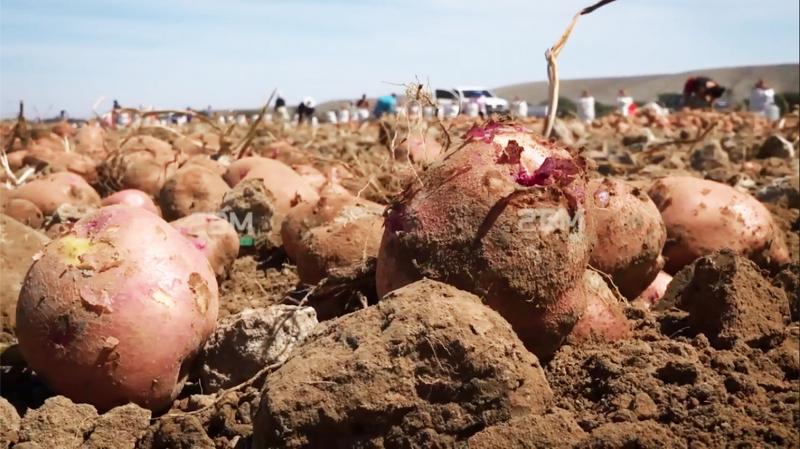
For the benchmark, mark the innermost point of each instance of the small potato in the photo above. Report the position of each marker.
(603, 318)
(418, 148)
(238, 169)
(24, 212)
(192, 189)
(704, 216)
(134, 198)
(197, 144)
(53, 190)
(213, 236)
(206, 162)
(630, 234)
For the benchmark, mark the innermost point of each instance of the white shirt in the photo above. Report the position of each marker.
(586, 109)
(760, 99)
(623, 105)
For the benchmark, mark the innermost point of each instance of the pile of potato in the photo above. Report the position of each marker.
(116, 306)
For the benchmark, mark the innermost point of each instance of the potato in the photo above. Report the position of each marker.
(198, 144)
(655, 291)
(338, 234)
(90, 140)
(502, 217)
(288, 187)
(213, 236)
(114, 311)
(192, 189)
(24, 212)
(704, 216)
(143, 163)
(16, 159)
(55, 189)
(207, 162)
(134, 198)
(238, 169)
(417, 148)
(311, 175)
(630, 234)
(63, 129)
(60, 160)
(603, 318)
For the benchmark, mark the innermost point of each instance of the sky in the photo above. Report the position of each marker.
(58, 54)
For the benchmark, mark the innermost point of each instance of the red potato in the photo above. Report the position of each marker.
(655, 291)
(603, 318)
(501, 218)
(338, 234)
(143, 163)
(704, 216)
(133, 198)
(213, 236)
(55, 189)
(114, 311)
(630, 234)
(192, 189)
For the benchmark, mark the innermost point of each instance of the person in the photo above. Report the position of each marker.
(386, 104)
(625, 104)
(762, 97)
(115, 113)
(305, 110)
(62, 116)
(280, 109)
(189, 114)
(344, 113)
(586, 111)
(701, 92)
(519, 107)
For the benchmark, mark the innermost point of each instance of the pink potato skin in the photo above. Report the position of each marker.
(655, 291)
(134, 198)
(704, 216)
(214, 237)
(114, 311)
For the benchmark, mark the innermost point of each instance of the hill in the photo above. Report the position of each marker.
(782, 77)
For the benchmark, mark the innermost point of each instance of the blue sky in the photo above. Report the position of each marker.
(67, 54)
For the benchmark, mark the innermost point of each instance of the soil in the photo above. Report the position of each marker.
(716, 364)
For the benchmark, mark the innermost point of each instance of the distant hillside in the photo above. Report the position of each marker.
(783, 78)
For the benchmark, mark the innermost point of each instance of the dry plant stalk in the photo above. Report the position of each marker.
(551, 55)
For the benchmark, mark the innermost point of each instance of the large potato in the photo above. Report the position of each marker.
(705, 216)
(630, 234)
(288, 187)
(53, 190)
(502, 217)
(114, 311)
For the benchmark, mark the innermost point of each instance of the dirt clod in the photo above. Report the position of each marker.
(250, 340)
(428, 366)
